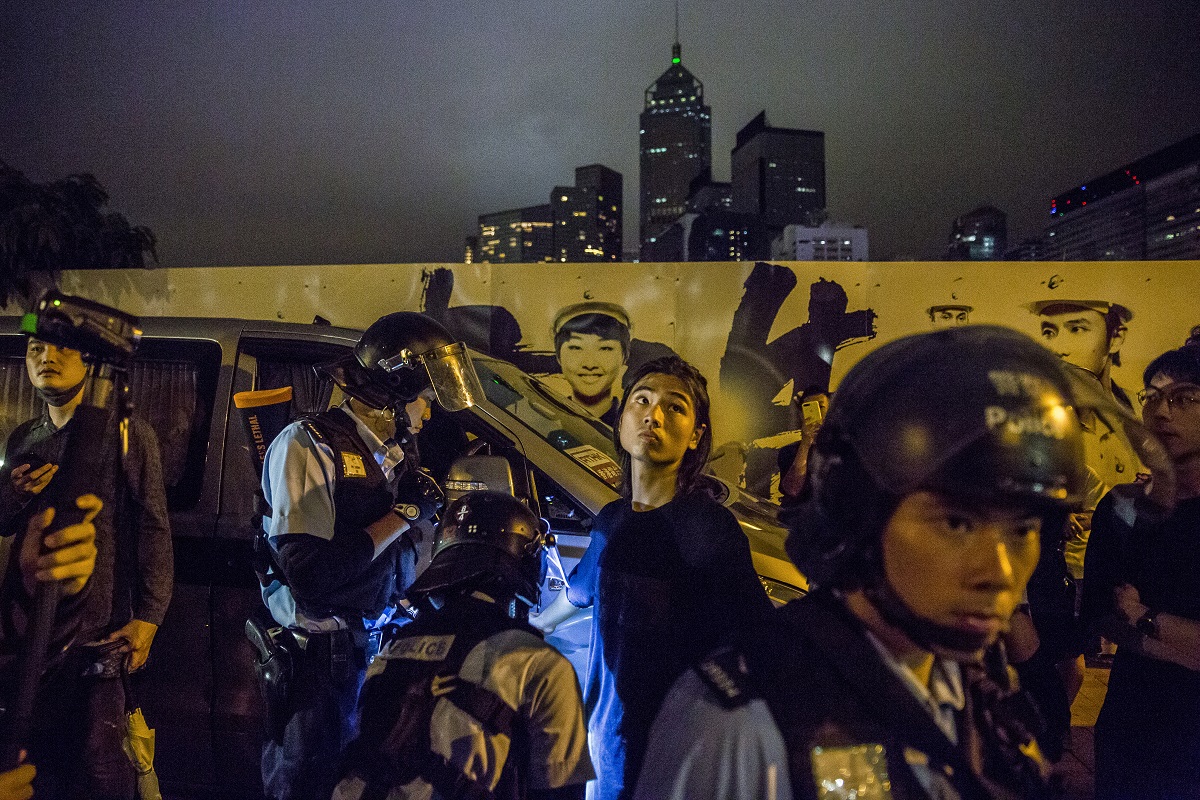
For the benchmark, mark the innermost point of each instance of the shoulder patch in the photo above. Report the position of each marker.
(728, 677)
(353, 466)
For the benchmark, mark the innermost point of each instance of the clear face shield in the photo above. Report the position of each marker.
(1104, 417)
(451, 373)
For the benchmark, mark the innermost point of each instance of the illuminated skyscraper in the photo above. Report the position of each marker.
(587, 216)
(520, 235)
(1149, 209)
(676, 146)
(979, 235)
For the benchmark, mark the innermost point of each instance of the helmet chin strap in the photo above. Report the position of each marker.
(938, 639)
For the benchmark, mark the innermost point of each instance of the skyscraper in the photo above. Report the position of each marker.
(979, 235)
(676, 146)
(1149, 209)
(587, 216)
(779, 173)
(520, 235)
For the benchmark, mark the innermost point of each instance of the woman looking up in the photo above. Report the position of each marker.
(668, 570)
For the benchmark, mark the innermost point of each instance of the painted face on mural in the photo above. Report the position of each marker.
(949, 316)
(590, 364)
(1080, 337)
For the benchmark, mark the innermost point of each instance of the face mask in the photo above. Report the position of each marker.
(60, 397)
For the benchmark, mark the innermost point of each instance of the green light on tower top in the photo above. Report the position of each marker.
(676, 51)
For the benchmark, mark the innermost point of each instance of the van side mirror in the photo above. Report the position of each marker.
(480, 473)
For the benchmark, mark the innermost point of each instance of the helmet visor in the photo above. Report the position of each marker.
(455, 383)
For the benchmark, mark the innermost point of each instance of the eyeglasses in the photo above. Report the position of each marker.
(1183, 397)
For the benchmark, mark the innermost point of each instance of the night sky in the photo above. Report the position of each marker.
(360, 132)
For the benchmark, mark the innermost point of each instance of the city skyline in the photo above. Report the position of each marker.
(374, 133)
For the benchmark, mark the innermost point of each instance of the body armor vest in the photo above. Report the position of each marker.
(361, 495)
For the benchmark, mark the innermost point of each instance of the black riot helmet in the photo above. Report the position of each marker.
(977, 412)
(399, 356)
(488, 541)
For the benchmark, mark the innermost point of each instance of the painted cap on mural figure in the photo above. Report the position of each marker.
(1103, 306)
(591, 307)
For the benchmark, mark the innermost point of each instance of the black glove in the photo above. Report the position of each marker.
(418, 497)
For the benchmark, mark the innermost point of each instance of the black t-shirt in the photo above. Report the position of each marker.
(668, 585)
(1148, 740)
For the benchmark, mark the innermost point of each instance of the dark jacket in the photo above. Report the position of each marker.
(827, 686)
(134, 572)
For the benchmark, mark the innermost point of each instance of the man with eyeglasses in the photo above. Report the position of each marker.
(1143, 592)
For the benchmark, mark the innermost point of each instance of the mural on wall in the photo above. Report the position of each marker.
(762, 333)
(949, 314)
(767, 376)
(593, 344)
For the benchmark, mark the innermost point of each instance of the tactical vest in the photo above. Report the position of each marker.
(361, 495)
(394, 744)
(835, 702)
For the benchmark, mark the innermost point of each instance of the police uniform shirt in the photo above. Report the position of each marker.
(699, 748)
(532, 678)
(298, 482)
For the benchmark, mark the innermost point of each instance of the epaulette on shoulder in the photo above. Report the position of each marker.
(309, 424)
(727, 676)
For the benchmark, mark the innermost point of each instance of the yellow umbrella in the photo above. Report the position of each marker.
(139, 746)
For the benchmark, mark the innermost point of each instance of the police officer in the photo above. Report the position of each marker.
(468, 701)
(942, 458)
(336, 532)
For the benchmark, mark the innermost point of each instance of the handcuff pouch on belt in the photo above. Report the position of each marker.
(339, 654)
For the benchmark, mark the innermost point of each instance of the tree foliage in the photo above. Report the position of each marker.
(50, 227)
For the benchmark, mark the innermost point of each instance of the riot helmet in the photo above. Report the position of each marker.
(978, 412)
(400, 355)
(489, 541)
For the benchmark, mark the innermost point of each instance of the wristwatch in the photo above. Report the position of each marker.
(1147, 624)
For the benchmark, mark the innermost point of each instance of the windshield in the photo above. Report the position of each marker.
(587, 441)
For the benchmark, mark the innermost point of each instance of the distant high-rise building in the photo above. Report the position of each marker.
(830, 241)
(1025, 250)
(706, 194)
(676, 147)
(1149, 209)
(520, 235)
(471, 250)
(713, 235)
(779, 173)
(587, 216)
(980, 235)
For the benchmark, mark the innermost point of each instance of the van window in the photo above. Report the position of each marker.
(269, 363)
(279, 363)
(173, 384)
